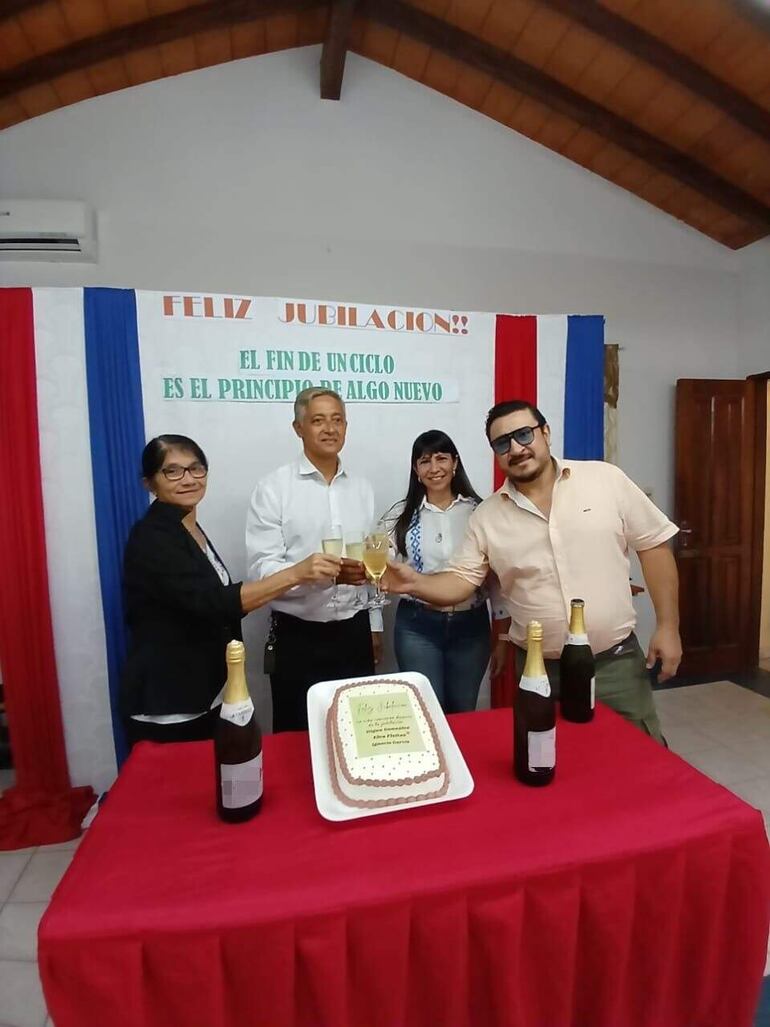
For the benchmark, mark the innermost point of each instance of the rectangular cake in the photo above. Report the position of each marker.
(383, 748)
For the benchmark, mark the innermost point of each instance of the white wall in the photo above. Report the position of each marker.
(240, 179)
(755, 307)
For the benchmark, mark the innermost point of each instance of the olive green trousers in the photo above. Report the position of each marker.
(622, 682)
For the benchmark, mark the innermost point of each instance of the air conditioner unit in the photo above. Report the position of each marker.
(54, 230)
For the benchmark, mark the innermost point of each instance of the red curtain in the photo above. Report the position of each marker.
(515, 378)
(515, 363)
(42, 808)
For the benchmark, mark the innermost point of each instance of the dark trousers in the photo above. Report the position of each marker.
(197, 730)
(310, 651)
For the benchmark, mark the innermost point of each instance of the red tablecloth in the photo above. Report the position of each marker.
(632, 892)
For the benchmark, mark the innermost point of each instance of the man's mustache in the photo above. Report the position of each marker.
(527, 455)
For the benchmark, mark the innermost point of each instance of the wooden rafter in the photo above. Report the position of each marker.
(335, 48)
(151, 32)
(10, 8)
(675, 65)
(517, 74)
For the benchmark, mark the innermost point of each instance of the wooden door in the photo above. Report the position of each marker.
(715, 483)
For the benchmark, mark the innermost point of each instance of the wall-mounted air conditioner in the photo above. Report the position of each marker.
(53, 230)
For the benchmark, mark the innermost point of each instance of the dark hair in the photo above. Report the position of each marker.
(154, 453)
(430, 442)
(512, 406)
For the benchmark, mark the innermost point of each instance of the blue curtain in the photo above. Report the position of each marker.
(584, 388)
(116, 422)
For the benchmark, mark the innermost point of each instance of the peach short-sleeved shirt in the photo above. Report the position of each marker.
(580, 552)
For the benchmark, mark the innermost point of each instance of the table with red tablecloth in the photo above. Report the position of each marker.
(631, 892)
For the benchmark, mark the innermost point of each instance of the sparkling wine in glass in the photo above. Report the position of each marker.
(376, 547)
(354, 550)
(332, 544)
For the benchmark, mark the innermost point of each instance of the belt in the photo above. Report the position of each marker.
(628, 645)
(469, 604)
(279, 616)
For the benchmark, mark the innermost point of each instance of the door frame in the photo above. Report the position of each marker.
(761, 402)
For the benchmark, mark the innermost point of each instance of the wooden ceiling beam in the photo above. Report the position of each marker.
(10, 8)
(517, 74)
(151, 32)
(335, 48)
(674, 64)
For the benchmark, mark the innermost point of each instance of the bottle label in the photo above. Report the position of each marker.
(541, 685)
(593, 692)
(541, 749)
(238, 713)
(577, 639)
(241, 783)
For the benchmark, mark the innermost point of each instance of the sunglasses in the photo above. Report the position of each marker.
(521, 436)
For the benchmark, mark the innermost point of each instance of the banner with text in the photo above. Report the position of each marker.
(116, 367)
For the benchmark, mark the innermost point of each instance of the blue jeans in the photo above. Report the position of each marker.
(450, 649)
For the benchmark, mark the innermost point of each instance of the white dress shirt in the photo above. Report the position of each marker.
(431, 540)
(290, 513)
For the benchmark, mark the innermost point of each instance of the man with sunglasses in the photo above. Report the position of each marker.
(557, 530)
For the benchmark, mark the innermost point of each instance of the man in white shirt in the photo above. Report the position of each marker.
(314, 637)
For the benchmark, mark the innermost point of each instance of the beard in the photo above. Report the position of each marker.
(514, 474)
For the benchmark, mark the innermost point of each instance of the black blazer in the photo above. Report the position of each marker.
(180, 616)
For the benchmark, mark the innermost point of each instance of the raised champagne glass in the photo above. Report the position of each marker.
(376, 548)
(332, 545)
(354, 550)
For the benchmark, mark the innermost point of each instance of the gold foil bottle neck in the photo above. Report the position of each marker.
(534, 666)
(577, 624)
(236, 652)
(535, 631)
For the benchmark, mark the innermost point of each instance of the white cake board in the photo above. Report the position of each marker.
(319, 699)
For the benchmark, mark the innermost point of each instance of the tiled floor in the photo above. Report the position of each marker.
(721, 728)
(27, 880)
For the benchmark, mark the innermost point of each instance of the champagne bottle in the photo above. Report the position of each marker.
(238, 745)
(577, 669)
(534, 711)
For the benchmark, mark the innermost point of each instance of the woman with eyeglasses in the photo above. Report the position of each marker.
(450, 646)
(182, 608)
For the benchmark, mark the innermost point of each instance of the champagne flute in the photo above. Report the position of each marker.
(354, 550)
(331, 544)
(376, 549)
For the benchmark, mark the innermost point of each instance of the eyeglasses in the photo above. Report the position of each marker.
(521, 436)
(175, 473)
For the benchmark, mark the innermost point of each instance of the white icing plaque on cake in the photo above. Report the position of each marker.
(381, 744)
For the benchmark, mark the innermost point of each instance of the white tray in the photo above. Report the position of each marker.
(319, 699)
